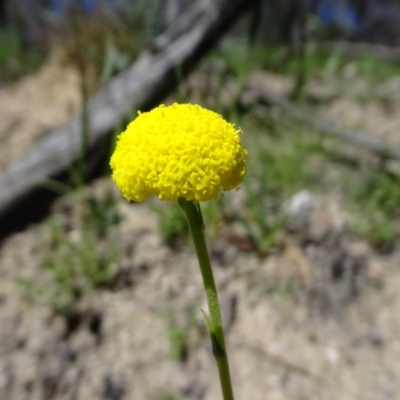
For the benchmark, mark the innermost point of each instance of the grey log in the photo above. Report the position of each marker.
(141, 86)
(356, 49)
(264, 94)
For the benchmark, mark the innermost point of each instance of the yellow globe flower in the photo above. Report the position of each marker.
(182, 150)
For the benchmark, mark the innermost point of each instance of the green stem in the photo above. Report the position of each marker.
(214, 325)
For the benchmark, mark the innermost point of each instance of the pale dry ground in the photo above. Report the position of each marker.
(354, 104)
(34, 106)
(298, 333)
(322, 339)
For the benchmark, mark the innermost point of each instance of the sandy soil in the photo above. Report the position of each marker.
(34, 106)
(319, 321)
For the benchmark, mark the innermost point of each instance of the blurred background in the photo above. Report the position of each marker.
(101, 299)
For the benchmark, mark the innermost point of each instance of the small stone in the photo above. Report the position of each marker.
(192, 292)
(4, 379)
(358, 249)
(65, 352)
(112, 390)
(375, 271)
(167, 290)
(4, 292)
(225, 252)
(320, 226)
(332, 355)
(75, 236)
(299, 209)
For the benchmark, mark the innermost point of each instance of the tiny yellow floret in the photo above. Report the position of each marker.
(182, 150)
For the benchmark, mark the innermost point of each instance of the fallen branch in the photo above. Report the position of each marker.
(356, 49)
(141, 86)
(263, 93)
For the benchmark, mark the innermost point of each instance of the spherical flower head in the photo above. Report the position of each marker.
(182, 150)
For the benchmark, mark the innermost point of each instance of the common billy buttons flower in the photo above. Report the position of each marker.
(182, 150)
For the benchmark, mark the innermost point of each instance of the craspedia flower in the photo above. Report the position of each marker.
(182, 150)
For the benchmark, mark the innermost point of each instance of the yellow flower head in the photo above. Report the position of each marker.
(182, 150)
